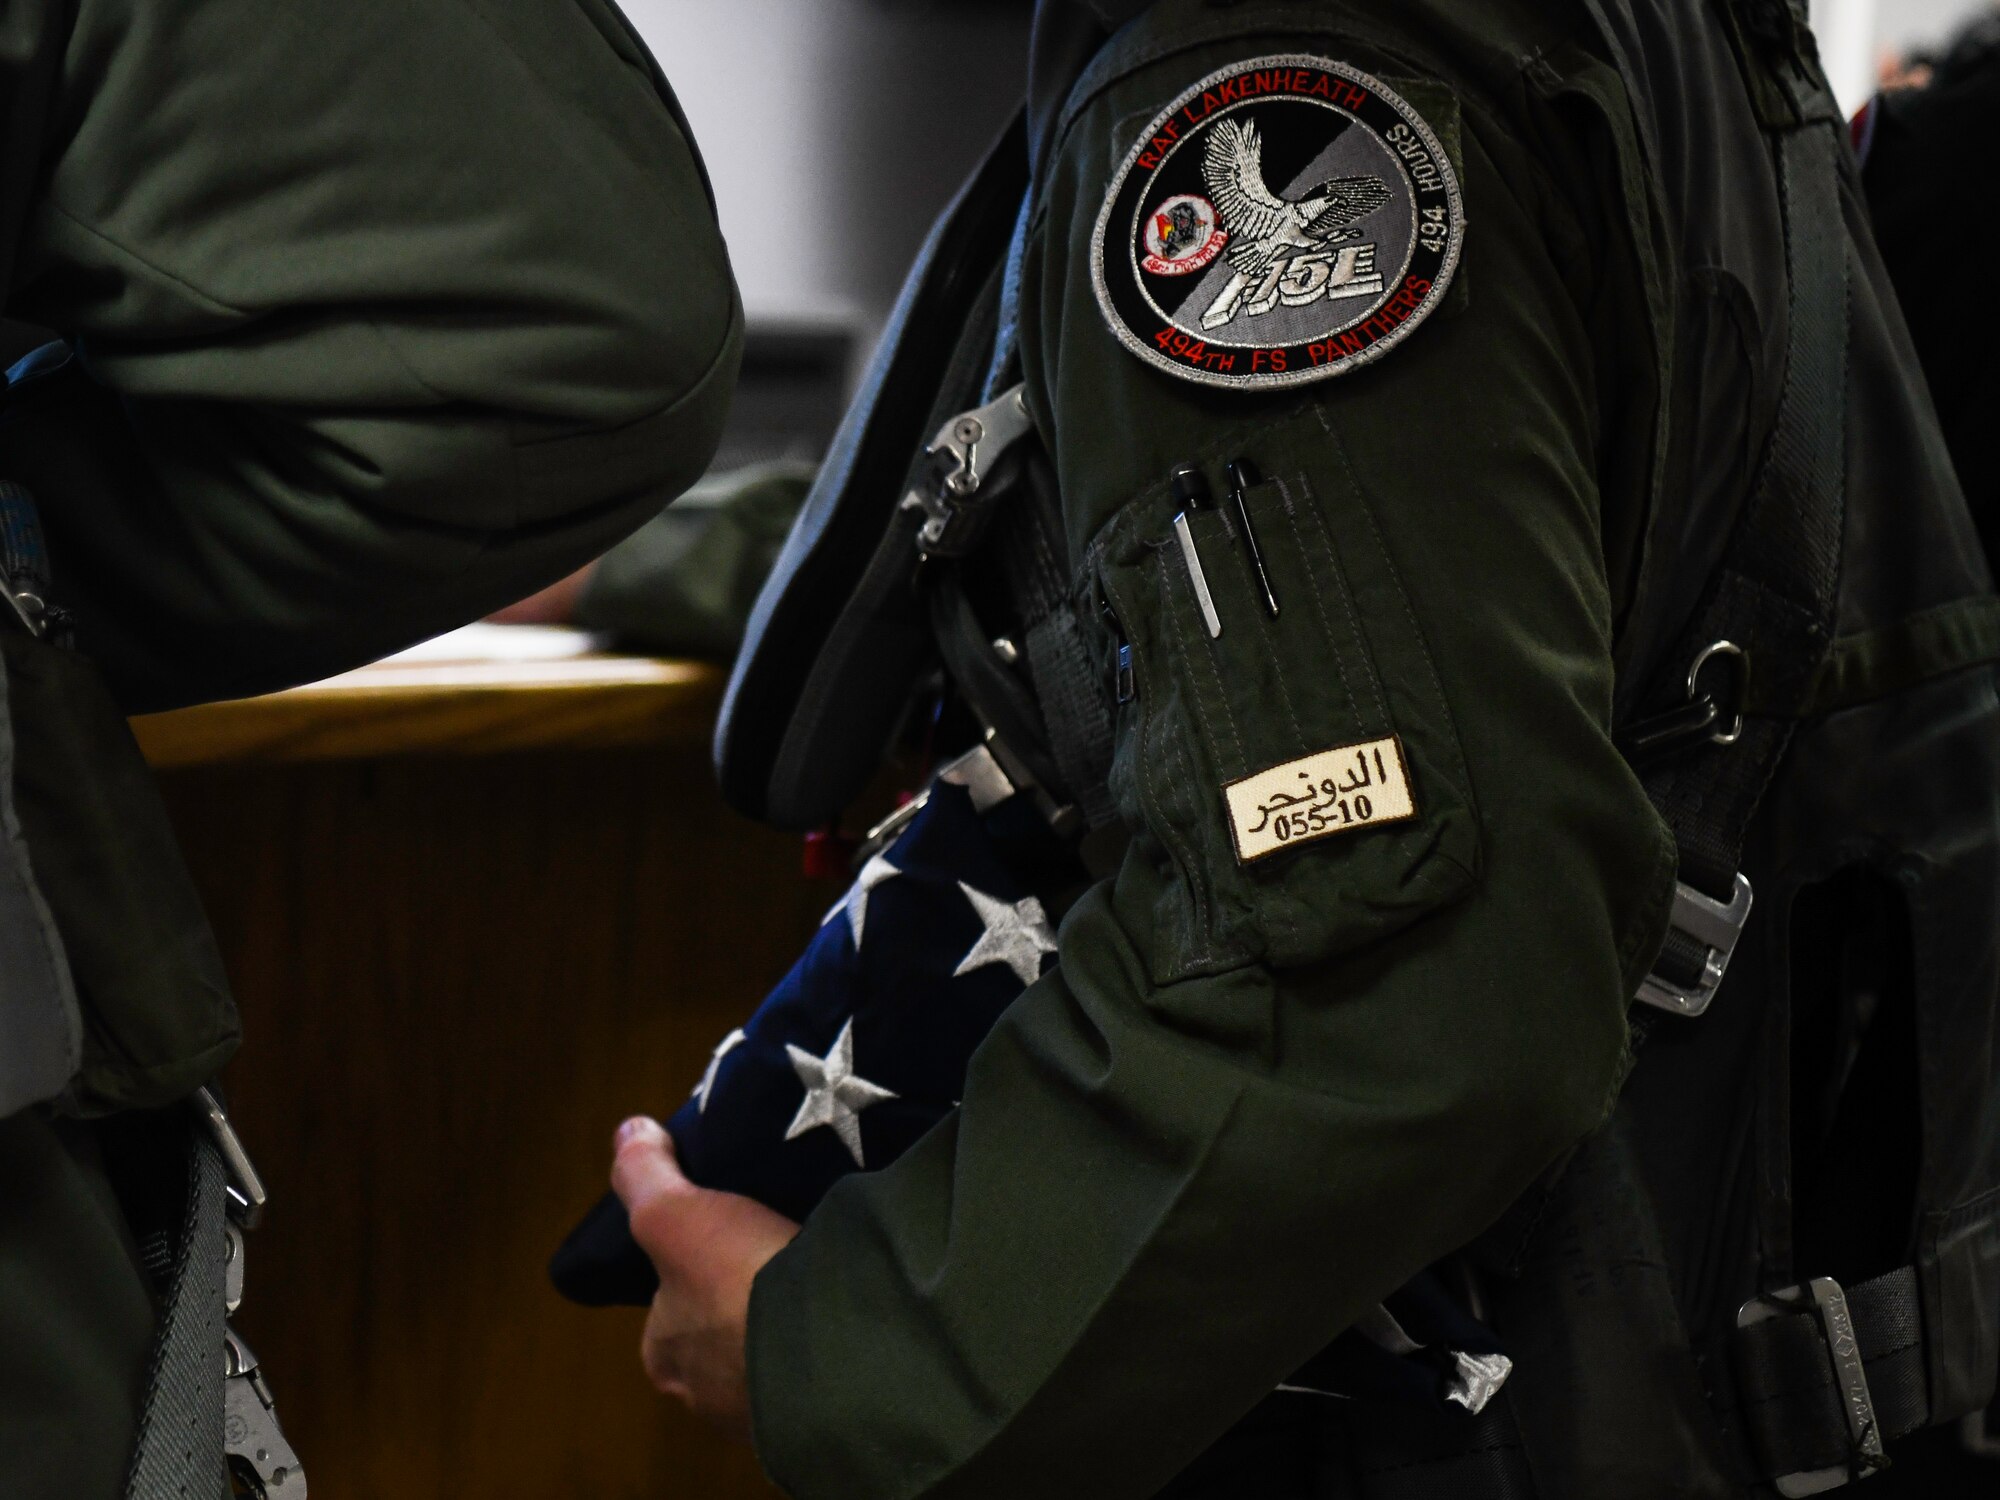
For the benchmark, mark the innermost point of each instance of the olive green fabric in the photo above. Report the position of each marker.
(390, 313)
(1252, 1101)
(384, 313)
(41, 1026)
(685, 582)
(1878, 663)
(158, 1018)
(76, 1317)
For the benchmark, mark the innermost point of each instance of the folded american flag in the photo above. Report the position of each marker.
(864, 1045)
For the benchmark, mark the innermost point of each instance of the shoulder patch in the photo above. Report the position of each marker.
(1285, 220)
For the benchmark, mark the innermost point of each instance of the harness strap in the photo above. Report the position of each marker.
(1825, 1375)
(1765, 628)
(179, 1454)
(1400, 1454)
(1063, 730)
(1077, 712)
(1076, 709)
(1798, 1396)
(837, 639)
(1774, 595)
(998, 696)
(1878, 663)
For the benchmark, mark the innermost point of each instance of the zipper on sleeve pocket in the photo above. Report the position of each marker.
(1124, 681)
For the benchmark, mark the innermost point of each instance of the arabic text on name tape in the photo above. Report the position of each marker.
(1336, 791)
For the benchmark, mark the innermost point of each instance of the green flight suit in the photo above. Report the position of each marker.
(1251, 1101)
(684, 583)
(1243, 1110)
(384, 314)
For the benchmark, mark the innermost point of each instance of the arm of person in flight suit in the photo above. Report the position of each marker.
(1254, 1099)
(385, 312)
(684, 583)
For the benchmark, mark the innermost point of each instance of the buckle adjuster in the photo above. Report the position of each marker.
(1703, 718)
(1715, 925)
(245, 1188)
(1825, 1302)
(956, 465)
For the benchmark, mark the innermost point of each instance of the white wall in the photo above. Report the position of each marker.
(835, 129)
(1904, 23)
(1854, 34)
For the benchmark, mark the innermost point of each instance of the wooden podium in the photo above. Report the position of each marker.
(478, 906)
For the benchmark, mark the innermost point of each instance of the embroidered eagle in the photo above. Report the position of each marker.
(1262, 226)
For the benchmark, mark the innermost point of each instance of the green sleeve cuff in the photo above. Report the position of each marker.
(684, 583)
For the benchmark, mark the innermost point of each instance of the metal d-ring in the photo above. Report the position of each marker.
(1734, 731)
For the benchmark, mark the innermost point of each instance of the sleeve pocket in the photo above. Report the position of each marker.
(1296, 781)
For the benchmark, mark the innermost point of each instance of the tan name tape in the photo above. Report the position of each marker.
(1337, 791)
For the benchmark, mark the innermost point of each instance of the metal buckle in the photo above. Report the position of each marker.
(1717, 927)
(990, 774)
(254, 1446)
(1708, 654)
(246, 1189)
(1690, 724)
(1823, 1300)
(978, 771)
(1062, 817)
(28, 608)
(260, 1461)
(957, 463)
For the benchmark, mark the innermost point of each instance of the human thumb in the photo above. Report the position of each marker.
(643, 1166)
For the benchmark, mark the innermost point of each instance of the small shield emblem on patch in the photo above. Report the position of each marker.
(1285, 220)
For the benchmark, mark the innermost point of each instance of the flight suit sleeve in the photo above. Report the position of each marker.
(684, 584)
(1259, 1093)
(385, 313)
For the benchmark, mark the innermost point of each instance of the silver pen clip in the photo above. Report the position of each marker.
(1201, 594)
(1192, 491)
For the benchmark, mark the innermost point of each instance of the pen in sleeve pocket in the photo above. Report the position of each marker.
(1192, 492)
(1243, 476)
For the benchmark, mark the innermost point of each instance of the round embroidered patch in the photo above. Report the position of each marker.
(1284, 220)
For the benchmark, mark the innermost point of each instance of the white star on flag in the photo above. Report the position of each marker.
(723, 1048)
(834, 1095)
(855, 902)
(1017, 934)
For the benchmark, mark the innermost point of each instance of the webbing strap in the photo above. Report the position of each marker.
(837, 641)
(1077, 712)
(179, 1452)
(998, 696)
(1775, 593)
(1078, 716)
(1891, 658)
(1789, 1392)
(1065, 728)
(1402, 1453)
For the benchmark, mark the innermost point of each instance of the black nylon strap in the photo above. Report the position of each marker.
(1402, 1453)
(999, 698)
(1070, 715)
(1077, 712)
(1893, 658)
(837, 639)
(1056, 717)
(1682, 960)
(179, 1451)
(1789, 1394)
(1775, 592)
